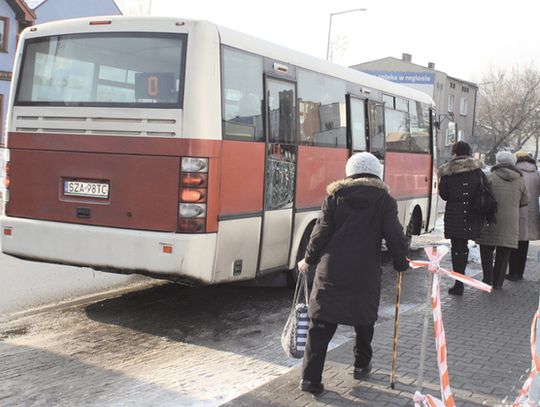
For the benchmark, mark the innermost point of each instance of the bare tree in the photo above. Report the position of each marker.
(509, 107)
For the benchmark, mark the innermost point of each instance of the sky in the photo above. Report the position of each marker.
(464, 38)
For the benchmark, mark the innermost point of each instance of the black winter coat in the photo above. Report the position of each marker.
(459, 182)
(346, 246)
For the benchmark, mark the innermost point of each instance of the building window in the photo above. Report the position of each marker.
(4, 30)
(451, 133)
(464, 106)
(450, 103)
(452, 85)
(2, 135)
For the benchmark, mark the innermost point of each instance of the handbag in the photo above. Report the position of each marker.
(294, 335)
(485, 203)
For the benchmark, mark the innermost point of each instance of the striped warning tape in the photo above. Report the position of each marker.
(522, 399)
(435, 254)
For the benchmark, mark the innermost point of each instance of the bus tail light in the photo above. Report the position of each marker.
(193, 195)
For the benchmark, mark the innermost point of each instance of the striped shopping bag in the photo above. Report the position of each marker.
(294, 335)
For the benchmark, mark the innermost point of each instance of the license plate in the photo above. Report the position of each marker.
(83, 188)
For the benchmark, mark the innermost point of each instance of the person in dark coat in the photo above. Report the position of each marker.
(345, 246)
(510, 191)
(458, 184)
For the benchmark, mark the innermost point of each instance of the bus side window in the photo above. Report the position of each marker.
(242, 95)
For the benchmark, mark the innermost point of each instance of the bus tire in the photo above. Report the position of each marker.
(292, 275)
(414, 226)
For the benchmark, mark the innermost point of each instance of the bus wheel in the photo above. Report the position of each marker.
(292, 275)
(413, 228)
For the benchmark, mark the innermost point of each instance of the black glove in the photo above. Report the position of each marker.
(401, 263)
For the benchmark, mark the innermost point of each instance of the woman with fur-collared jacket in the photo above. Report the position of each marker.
(529, 216)
(345, 246)
(459, 183)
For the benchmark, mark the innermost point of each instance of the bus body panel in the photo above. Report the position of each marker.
(408, 174)
(143, 190)
(237, 249)
(317, 167)
(242, 178)
(143, 174)
(112, 249)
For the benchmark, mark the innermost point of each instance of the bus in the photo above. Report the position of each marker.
(188, 151)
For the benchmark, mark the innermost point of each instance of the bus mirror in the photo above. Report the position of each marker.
(437, 125)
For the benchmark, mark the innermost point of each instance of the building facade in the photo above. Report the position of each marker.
(15, 16)
(455, 98)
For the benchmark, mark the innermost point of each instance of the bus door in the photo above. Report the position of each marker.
(434, 177)
(357, 125)
(376, 135)
(280, 173)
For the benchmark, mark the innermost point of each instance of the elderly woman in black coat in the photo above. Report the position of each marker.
(458, 185)
(357, 215)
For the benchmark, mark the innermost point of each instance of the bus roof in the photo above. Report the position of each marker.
(231, 38)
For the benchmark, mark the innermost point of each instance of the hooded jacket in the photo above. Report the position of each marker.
(346, 246)
(529, 216)
(511, 193)
(458, 184)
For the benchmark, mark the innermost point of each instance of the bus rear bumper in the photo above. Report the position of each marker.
(111, 249)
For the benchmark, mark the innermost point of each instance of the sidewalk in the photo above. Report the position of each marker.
(487, 337)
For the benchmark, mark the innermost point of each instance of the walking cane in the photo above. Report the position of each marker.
(396, 323)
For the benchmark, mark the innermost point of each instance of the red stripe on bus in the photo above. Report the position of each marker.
(174, 147)
(317, 167)
(408, 175)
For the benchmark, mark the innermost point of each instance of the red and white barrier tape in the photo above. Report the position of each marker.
(522, 399)
(435, 254)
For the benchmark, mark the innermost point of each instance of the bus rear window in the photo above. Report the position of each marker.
(112, 69)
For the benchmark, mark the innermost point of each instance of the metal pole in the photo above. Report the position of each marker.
(330, 28)
(328, 42)
(396, 325)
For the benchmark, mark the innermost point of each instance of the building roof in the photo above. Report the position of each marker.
(33, 4)
(22, 10)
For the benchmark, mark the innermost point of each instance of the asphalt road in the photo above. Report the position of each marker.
(166, 345)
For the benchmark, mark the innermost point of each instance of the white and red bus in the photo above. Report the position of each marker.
(185, 150)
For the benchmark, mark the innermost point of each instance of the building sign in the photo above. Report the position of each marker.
(425, 78)
(422, 81)
(5, 76)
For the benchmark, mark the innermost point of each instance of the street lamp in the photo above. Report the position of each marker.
(330, 27)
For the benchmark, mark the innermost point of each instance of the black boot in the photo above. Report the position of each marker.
(459, 262)
(457, 289)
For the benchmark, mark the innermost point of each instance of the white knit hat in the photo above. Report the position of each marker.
(363, 163)
(506, 157)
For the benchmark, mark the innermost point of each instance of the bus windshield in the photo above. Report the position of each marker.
(112, 69)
